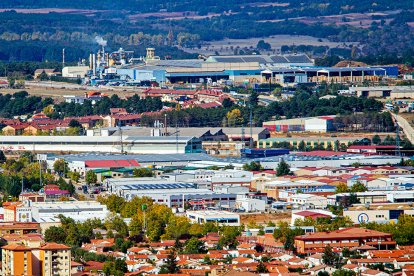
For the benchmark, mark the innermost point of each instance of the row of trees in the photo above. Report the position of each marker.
(25, 171)
(161, 223)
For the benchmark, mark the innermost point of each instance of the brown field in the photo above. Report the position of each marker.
(227, 46)
(264, 218)
(409, 117)
(55, 10)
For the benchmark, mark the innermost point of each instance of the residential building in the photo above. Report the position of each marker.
(339, 239)
(308, 201)
(17, 260)
(55, 259)
(20, 228)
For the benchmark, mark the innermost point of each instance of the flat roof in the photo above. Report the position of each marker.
(212, 213)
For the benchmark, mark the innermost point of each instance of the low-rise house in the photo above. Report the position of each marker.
(348, 237)
(99, 245)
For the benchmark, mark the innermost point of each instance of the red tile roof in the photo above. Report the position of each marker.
(310, 214)
(111, 163)
(54, 246)
(347, 233)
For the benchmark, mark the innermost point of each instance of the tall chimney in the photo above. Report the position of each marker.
(63, 57)
(94, 64)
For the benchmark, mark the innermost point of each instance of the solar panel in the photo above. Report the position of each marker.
(229, 59)
(255, 59)
(298, 59)
(278, 59)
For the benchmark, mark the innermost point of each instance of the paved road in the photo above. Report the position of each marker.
(405, 127)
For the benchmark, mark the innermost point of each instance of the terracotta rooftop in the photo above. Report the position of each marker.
(53, 246)
(16, 247)
(347, 233)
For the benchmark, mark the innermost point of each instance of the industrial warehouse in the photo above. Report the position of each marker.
(121, 67)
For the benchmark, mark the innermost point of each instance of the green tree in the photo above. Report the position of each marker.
(142, 172)
(170, 266)
(253, 166)
(114, 202)
(323, 273)
(55, 234)
(302, 146)
(229, 236)
(91, 177)
(253, 99)
(75, 176)
(234, 118)
(341, 188)
(115, 222)
(74, 124)
(43, 76)
(60, 166)
(358, 187)
(194, 246)
(2, 157)
(283, 168)
(343, 272)
(177, 227)
(261, 268)
(115, 268)
(376, 140)
(262, 45)
(329, 257)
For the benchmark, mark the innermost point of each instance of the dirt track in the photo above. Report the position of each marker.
(265, 218)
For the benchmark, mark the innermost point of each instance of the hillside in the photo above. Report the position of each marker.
(38, 30)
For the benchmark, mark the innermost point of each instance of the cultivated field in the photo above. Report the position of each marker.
(227, 46)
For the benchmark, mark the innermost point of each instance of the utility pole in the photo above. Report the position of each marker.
(165, 124)
(22, 184)
(40, 170)
(397, 138)
(251, 128)
(176, 137)
(121, 138)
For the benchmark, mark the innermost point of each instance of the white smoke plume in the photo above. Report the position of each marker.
(102, 42)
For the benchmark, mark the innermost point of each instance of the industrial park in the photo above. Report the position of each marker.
(195, 138)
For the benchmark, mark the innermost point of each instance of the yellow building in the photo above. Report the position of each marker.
(17, 260)
(54, 259)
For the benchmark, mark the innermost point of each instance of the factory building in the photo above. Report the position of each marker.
(311, 141)
(109, 144)
(75, 71)
(311, 124)
(272, 60)
(379, 213)
(392, 92)
(90, 161)
(170, 193)
(237, 69)
(290, 76)
(220, 217)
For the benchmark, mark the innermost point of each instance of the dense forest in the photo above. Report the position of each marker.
(41, 37)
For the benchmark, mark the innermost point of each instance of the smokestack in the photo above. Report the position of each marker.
(63, 57)
(90, 61)
(107, 59)
(94, 64)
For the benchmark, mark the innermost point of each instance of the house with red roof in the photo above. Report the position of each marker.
(339, 239)
(53, 192)
(127, 119)
(314, 214)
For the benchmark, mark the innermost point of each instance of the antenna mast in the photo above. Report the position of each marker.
(121, 138)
